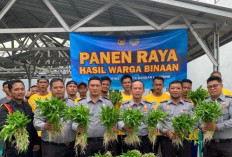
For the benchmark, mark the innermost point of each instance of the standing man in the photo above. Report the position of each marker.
(187, 87)
(224, 91)
(17, 92)
(156, 97)
(72, 89)
(42, 84)
(145, 107)
(106, 84)
(174, 107)
(82, 89)
(95, 130)
(5, 90)
(220, 145)
(63, 145)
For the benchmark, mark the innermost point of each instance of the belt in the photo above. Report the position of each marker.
(221, 140)
(95, 139)
(60, 144)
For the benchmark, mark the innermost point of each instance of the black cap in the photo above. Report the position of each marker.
(71, 82)
(82, 83)
(42, 77)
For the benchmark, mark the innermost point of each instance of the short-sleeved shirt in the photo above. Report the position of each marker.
(144, 106)
(157, 100)
(95, 128)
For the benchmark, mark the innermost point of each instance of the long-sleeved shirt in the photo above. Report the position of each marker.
(144, 106)
(173, 110)
(224, 122)
(95, 128)
(68, 136)
(26, 109)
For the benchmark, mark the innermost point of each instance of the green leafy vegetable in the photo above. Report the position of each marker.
(16, 127)
(115, 96)
(132, 119)
(208, 112)
(54, 110)
(109, 118)
(80, 115)
(198, 96)
(132, 153)
(182, 126)
(153, 118)
(108, 154)
(149, 155)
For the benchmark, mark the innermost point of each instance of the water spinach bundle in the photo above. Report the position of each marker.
(109, 118)
(198, 96)
(54, 110)
(183, 126)
(80, 115)
(208, 112)
(132, 119)
(16, 127)
(115, 97)
(153, 118)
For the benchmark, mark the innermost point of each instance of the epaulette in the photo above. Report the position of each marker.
(188, 101)
(81, 99)
(66, 99)
(105, 97)
(149, 102)
(228, 96)
(164, 101)
(126, 102)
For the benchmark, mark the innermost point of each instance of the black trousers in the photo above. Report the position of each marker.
(94, 145)
(144, 147)
(219, 148)
(57, 150)
(157, 144)
(9, 150)
(168, 150)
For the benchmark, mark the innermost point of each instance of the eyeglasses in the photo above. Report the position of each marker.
(213, 86)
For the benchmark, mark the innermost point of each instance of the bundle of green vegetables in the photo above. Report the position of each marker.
(109, 118)
(107, 154)
(115, 96)
(149, 155)
(54, 110)
(131, 153)
(208, 112)
(183, 126)
(132, 119)
(153, 118)
(80, 115)
(198, 96)
(16, 126)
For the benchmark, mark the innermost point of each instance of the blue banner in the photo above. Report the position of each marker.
(142, 56)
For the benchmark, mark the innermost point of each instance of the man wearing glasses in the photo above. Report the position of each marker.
(222, 138)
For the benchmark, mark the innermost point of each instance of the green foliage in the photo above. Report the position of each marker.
(53, 109)
(108, 154)
(80, 115)
(183, 125)
(154, 117)
(132, 118)
(208, 111)
(149, 155)
(132, 153)
(15, 126)
(198, 96)
(115, 96)
(109, 116)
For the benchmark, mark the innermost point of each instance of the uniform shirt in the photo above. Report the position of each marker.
(144, 107)
(35, 97)
(68, 136)
(26, 109)
(77, 99)
(157, 100)
(173, 110)
(95, 128)
(4, 100)
(224, 122)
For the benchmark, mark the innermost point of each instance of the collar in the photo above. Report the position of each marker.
(132, 103)
(222, 97)
(180, 102)
(88, 99)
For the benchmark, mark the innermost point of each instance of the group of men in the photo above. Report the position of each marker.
(175, 103)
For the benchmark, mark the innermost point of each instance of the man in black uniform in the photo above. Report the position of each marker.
(17, 91)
